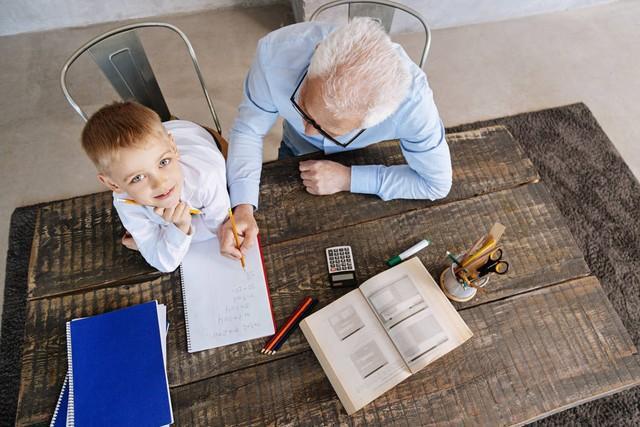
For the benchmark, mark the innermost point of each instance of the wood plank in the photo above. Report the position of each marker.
(537, 244)
(484, 161)
(472, 385)
(77, 243)
(44, 360)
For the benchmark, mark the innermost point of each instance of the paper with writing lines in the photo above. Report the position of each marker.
(224, 303)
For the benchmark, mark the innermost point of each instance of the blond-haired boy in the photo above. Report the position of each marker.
(165, 169)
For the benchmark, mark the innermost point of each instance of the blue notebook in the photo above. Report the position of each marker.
(60, 415)
(116, 369)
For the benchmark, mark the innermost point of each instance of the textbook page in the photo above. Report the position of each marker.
(223, 303)
(415, 314)
(354, 351)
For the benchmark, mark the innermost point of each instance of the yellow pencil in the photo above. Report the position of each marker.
(192, 211)
(484, 250)
(235, 235)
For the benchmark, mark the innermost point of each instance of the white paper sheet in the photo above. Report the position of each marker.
(224, 304)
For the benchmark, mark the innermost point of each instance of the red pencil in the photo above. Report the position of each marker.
(290, 323)
(281, 341)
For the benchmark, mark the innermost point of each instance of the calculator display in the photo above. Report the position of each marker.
(342, 276)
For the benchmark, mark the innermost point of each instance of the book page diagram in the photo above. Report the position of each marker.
(408, 319)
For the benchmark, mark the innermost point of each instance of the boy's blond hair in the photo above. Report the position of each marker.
(117, 126)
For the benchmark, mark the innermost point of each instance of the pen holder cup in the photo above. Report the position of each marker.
(454, 288)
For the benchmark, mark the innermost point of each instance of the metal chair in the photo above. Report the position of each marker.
(382, 11)
(122, 59)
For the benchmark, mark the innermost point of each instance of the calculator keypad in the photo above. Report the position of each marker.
(340, 259)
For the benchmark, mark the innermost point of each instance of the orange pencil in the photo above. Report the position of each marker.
(293, 321)
(235, 235)
(192, 211)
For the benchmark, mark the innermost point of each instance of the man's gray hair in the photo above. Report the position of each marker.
(361, 72)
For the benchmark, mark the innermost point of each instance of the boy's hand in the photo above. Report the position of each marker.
(247, 232)
(180, 215)
(128, 242)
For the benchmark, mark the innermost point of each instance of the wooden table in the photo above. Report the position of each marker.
(545, 336)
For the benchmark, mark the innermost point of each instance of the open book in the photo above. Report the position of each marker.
(374, 337)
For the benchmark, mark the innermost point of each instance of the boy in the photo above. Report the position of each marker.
(158, 172)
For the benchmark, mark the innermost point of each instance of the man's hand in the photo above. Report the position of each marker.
(322, 177)
(180, 215)
(247, 232)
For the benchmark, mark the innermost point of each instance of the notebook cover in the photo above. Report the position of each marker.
(266, 282)
(116, 369)
(59, 418)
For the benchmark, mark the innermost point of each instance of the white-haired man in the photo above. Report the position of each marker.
(337, 89)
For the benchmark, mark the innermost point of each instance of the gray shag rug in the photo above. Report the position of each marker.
(590, 183)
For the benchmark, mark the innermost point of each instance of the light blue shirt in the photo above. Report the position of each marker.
(281, 60)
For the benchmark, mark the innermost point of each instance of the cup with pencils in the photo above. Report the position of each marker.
(470, 271)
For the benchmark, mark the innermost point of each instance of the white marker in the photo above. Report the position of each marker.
(409, 252)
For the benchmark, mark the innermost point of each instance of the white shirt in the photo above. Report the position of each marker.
(161, 243)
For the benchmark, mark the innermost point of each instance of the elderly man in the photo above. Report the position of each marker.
(337, 89)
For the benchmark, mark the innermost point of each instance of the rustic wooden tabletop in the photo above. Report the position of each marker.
(545, 336)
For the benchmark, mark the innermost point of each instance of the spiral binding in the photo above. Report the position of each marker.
(184, 305)
(70, 416)
(57, 410)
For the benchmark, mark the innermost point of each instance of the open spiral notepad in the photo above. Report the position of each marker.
(224, 303)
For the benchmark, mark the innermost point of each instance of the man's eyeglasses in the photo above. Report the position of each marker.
(312, 122)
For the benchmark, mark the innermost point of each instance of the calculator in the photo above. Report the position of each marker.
(342, 271)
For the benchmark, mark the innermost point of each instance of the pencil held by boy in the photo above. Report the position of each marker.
(160, 175)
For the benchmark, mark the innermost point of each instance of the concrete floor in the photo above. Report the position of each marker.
(476, 72)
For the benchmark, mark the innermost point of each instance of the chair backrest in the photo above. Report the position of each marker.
(123, 61)
(121, 57)
(382, 11)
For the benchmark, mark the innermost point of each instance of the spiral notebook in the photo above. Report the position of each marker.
(59, 418)
(116, 369)
(224, 303)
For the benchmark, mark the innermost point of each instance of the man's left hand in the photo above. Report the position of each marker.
(321, 177)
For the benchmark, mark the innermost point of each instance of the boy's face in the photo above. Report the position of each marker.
(149, 173)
